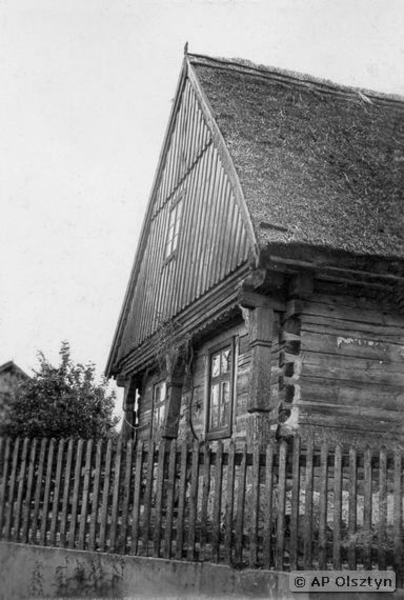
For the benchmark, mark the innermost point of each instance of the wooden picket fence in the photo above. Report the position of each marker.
(285, 506)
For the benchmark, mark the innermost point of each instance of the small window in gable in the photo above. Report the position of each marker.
(220, 393)
(159, 400)
(174, 225)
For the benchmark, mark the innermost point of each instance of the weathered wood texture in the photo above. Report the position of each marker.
(194, 408)
(352, 372)
(212, 238)
(303, 506)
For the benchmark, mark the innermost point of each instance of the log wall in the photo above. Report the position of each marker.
(352, 376)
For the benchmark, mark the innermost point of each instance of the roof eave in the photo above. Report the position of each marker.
(321, 258)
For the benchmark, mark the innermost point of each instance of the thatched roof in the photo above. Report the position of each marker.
(320, 165)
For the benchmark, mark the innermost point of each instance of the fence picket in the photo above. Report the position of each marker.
(308, 507)
(126, 495)
(228, 539)
(148, 499)
(280, 529)
(66, 494)
(95, 500)
(398, 515)
(382, 509)
(254, 510)
(38, 490)
(28, 497)
(11, 491)
(46, 497)
(55, 504)
(268, 516)
(76, 491)
(3, 488)
(352, 508)
(322, 529)
(105, 497)
(115, 497)
(367, 509)
(21, 485)
(193, 499)
(337, 516)
(204, 506)
(170, 498)
(240, 506)
(159, 498)
(295, 503)
(136, 498)
(181, 501)
(84, 496)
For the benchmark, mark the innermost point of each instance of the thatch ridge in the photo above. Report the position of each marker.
(293, 77)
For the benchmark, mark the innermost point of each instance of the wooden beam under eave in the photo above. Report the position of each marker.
(262, 287)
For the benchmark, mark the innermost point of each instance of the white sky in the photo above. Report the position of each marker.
(85, 93)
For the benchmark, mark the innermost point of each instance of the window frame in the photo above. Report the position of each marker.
(171, 249)
(225, 430)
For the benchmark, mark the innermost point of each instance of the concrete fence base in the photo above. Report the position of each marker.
(49, 573)
(38, 572)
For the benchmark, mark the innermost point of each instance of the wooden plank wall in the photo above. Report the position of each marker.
(212, 242)
(353, 365)
(305, 505)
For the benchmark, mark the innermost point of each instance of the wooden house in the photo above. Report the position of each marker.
(266, 296)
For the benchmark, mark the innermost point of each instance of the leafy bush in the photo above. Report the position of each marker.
(61, 401)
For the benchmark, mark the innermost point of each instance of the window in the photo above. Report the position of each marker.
(173, 229)
(220, 396)
(159, 399)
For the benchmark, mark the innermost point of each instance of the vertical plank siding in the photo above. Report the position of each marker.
(212, 234)
(287, 506)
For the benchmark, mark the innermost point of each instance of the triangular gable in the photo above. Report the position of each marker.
(196, 180)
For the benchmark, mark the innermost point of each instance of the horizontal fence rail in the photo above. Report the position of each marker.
(287, 506)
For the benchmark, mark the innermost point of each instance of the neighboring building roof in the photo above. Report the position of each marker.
(319, 164)
(11, 367)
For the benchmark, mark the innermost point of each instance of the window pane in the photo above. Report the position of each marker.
(178, 218)
(172, 218)
(224, 403)
(168, 248)
(170, 234)
(215, 365)
(175, 242)
(161, 414)
(226, 357)
(214, 405)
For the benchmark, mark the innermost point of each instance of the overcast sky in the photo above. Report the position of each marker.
(86, 87)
